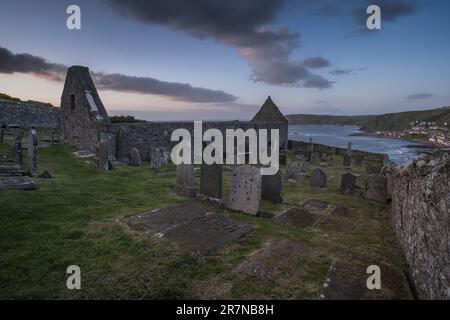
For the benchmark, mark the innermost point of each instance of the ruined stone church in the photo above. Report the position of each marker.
(84, 121)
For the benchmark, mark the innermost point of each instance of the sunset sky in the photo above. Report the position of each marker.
(199, 60)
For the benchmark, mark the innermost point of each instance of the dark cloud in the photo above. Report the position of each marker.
(26, 63)
(419, 96)
(240, 24)
(316, 63)
(146, 85)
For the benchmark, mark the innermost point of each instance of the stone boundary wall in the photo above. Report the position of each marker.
(301, 146)
(148, 135)
(23, 115)
(420, 196)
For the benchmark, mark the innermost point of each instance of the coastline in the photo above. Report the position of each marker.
(421, 143)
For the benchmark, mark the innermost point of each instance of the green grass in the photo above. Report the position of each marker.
(72, 219)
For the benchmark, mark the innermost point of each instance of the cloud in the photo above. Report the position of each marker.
(316, 63)
(26, 63)
(243, 25)
(419, 96)
(340, 72)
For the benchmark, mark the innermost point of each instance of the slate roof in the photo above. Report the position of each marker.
(269, 112)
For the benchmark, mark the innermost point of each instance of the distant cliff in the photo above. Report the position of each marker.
(386, 122)
(323, 119)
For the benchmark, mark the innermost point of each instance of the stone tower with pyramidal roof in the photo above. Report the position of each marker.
(271, 117)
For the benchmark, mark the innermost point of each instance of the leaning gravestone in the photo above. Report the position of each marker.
(348, 183)
(347, 160)
(103, 155)
(135, 157)
(314, 158)
(32, 153)
(185, 180)
(272, 188)
(211, 180)
(376, 188)
(318, 178)
(245, 189)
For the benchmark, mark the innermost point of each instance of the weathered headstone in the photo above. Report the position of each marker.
(349, 148)
(135, 157)
(358, 160)
(376, 188)
(185, 180)
(347, 160)
(112, 144)
(272, 188)
(156, 159)
(293, 171)
(46, 174)
(245, 189)
(2, 134)
(32, 153)
(314, 158)
(103, 155)
(211, 180)
(374, 168)
(348, 183)
(318, 178)
(17, 149)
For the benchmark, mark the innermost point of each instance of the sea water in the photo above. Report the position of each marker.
(339, 136)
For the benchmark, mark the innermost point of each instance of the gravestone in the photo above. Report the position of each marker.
(155, 159)
(112, 144)
(314, 158)
(347, 160)
(103, 155)
(46, 174)
(349, 148)
(358, 160)
(17, 183)
(272, 188)
(17, 149)
(211, 180)
(185, 180)
(318, 178)
(348, 183)
(293, 171)
(32, 153)
(135, 157)
(315, 205)
(245, 189)
(376, 188)
(2, 134)
(374, 168)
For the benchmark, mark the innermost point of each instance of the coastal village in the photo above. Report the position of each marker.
(424, 132)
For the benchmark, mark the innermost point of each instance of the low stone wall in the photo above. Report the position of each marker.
(301, 146)
(23, 115)
(148, 135)
(420, 196)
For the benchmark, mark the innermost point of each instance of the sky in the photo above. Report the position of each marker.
(219, 60)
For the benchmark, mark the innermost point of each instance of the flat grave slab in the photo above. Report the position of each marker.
(191, 226)
(315, 205)
(162, 220)
(297, 217)
(17, 183)
(8, 170)
(208, 233)
(83, 154)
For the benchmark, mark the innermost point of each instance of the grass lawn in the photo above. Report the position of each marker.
(73, 219)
